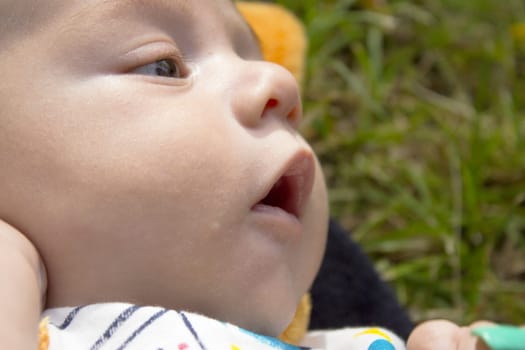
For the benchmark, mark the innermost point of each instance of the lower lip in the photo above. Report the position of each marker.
(278, 216)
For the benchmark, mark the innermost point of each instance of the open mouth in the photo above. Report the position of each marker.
(289, 192)
(284, 195)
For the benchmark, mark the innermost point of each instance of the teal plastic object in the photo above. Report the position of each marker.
(501, 337)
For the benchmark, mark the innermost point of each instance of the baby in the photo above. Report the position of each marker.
(149, 157)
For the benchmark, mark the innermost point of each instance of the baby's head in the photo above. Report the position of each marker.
(152, 157)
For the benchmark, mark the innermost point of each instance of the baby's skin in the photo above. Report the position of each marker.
(150, 156)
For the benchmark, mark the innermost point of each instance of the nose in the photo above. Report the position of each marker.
(265, 90)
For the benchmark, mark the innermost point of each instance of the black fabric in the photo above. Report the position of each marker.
(349, 292)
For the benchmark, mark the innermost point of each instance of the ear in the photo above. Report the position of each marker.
(282, 35)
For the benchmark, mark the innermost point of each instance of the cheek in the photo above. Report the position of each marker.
(138, 176)
(168, 176)
(143, 195)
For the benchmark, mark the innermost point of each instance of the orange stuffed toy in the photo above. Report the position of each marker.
(281, 35)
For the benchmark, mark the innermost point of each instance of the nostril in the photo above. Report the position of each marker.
(293, 116)
(272, 103)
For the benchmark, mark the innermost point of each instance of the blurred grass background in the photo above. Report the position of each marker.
(417, 112)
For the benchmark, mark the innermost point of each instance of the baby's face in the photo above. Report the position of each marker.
(152, 157)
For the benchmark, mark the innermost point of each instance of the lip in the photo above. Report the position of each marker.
(285, 195)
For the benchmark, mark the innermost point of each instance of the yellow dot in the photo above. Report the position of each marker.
(235, 347)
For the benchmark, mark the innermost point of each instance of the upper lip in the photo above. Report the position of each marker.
(292, 185)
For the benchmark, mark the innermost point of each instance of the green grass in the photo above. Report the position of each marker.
(417, 112)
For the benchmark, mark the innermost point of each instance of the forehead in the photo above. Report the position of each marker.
(195, 11)
(186, 7)
(28, 15)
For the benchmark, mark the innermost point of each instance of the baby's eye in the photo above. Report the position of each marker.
(166, 67)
